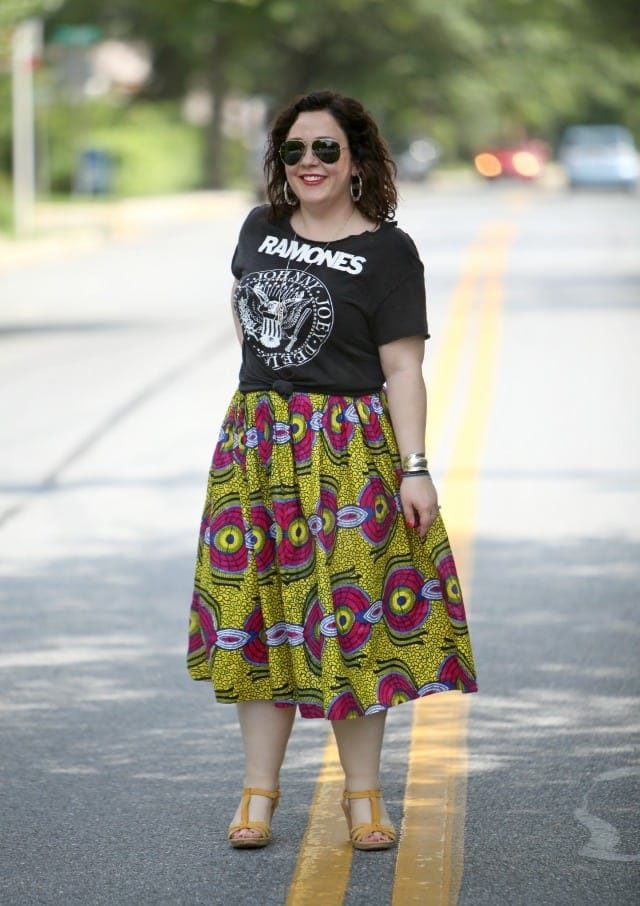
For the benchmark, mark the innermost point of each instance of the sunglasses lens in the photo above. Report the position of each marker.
(326, 149)
(291, 152)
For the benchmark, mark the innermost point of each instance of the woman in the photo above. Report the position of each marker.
(324, 576)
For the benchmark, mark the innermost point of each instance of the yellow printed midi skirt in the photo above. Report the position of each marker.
(310, 589)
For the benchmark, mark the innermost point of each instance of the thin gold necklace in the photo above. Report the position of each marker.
(283, 285)
(342, 227)
(327, 243)
(278, 306)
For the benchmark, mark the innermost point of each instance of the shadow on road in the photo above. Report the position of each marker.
(120, 772)
(556, 638)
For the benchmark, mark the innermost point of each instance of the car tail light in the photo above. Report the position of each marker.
(526, 164)
(487, 165)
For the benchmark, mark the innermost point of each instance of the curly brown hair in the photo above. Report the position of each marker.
(369, 150)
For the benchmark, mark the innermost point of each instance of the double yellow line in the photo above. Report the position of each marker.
(430, 854)
(430, 851)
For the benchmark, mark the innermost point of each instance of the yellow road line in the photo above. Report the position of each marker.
(324, 861)
(438, 748)
(430, 852)
(460, 483)
(428, 869)
(457, 328)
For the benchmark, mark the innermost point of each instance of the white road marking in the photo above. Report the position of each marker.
(605, 838)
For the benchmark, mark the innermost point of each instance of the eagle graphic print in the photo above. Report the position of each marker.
(286, 315)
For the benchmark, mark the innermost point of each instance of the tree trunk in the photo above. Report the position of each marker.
(214, 138)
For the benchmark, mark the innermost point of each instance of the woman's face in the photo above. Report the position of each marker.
(319, 185)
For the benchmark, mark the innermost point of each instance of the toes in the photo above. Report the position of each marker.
(377, 837)
(244, 833)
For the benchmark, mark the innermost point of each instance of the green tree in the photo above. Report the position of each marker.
(207, 41)
(465, 71)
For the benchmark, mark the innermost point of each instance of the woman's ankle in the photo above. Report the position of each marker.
(257, 782)
(355, 783)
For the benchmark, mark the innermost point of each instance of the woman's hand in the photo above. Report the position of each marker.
(419, 500)
(402, 366)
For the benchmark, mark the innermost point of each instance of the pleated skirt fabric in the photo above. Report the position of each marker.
(310, 589)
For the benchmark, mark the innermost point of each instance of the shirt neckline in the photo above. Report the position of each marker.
(383, 224)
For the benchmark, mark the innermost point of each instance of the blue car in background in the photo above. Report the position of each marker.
(599, 156)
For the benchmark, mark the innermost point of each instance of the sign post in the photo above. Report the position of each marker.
(26, 50)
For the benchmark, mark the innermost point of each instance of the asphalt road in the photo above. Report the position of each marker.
(119, 774)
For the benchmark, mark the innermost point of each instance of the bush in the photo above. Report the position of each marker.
(153, 150)
(6, 204)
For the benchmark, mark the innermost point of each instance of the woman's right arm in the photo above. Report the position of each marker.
(236, 322)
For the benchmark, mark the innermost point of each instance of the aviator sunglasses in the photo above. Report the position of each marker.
(326, 150)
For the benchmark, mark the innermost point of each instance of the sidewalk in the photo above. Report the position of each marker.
(69, 228)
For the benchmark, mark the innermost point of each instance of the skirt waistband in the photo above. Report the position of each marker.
(286, 389)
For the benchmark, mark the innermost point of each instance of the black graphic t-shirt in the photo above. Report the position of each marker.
(313, 314)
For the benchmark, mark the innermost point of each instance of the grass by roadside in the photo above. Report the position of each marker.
(147, 150)
(6, 205)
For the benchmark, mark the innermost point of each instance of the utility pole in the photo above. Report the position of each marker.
(26, 49)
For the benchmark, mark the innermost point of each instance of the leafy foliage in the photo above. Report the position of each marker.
(465, 71)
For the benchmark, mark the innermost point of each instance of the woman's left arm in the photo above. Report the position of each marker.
(401, 363)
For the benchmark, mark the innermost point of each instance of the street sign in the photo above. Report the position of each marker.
(76, 35)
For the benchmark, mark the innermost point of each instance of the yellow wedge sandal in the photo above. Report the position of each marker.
(264, 829)
(358, 832)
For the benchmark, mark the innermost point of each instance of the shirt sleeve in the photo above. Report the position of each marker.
(403, 311)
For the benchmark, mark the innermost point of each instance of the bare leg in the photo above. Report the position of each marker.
(359, 744)
(265, 734)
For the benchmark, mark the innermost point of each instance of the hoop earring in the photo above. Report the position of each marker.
(356, 184)
(288, 196)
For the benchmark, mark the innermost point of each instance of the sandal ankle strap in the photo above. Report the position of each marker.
(247, 793)
(361, 794)
(256, 791)
(374, 801)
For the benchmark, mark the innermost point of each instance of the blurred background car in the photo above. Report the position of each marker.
(520, 160)
(417, 160)
(599, 156)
